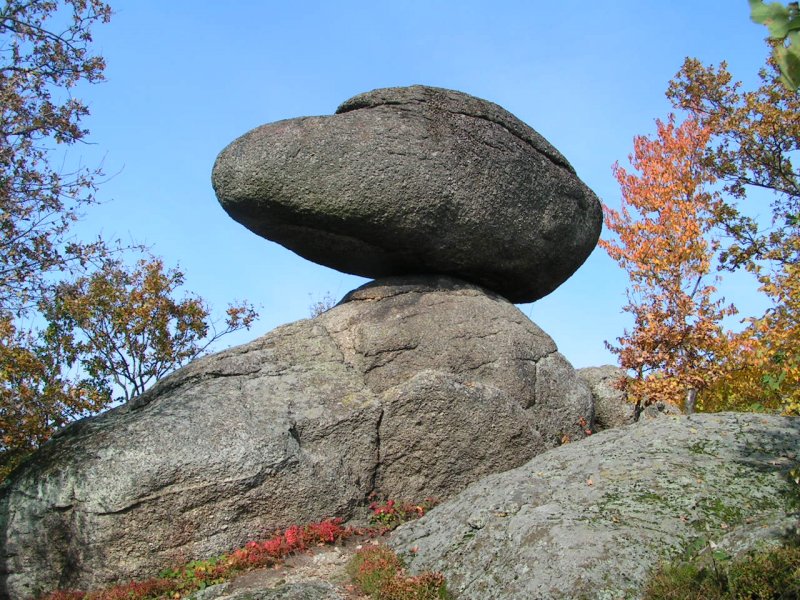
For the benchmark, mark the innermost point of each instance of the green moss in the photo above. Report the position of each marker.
(718, 512)
(650, 498)
(702, 447)
(770, 574)
(380, 574)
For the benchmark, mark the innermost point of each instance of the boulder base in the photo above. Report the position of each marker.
(409, 388)
(611, 407)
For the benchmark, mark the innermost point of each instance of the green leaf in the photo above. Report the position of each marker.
(721, 555)
(788, 60)
(793, 24)
(774, 15)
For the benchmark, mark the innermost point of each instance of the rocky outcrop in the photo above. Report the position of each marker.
(611, 407)
(409, 388)
(591, 519)
(312, 589)
(415, 180)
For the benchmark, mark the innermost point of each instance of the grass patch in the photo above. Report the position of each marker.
(772, 574)
(380, 573)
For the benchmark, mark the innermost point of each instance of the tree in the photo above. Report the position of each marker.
(754, 137)
(783, 23)
(764, 371)
(126, 330)
(321, 305)
(662, 242)
(112, 330)
(111, 334)
(35, 399)
(44, 53)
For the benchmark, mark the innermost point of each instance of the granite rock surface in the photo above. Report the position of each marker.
(409, 388)
(593, 518)
(415, 180)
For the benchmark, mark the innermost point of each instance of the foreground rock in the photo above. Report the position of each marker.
(409, 388)
(415, 180)
(591, 519)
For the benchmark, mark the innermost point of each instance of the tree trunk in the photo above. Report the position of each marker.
(691, 397)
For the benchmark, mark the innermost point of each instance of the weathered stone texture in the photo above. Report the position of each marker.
(611, 407)
(409, 388)
(593, 518)
(415, 180)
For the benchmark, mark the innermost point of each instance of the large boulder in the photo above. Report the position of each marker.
(592, 519)
(409, 388)
(415, 180)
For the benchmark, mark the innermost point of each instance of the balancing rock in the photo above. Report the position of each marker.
(415, 180)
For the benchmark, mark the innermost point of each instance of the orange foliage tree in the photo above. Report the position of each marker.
(126, 329)
(110, 335)
(35, 398)
(754, 135)
(44, 52)
(662, 240)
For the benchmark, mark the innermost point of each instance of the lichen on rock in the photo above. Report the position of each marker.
(596, 517)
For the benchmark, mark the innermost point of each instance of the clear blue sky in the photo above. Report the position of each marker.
(186, 78)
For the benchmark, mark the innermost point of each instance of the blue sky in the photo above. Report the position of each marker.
(186, 78)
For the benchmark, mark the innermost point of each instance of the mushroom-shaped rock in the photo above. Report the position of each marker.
(415, 180)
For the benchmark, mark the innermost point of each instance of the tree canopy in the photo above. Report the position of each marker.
(45, 53)
(744, 140)
(661, 241)
(79, 328)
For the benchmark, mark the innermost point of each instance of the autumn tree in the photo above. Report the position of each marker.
(112, 330)
(35, 397)
(126, 329)
(44, 53)
(662, 241)
(754, 136)
(321, 305)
